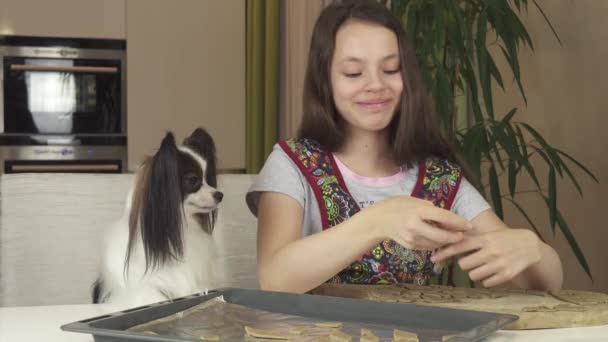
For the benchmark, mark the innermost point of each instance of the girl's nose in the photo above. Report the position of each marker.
(375, 82)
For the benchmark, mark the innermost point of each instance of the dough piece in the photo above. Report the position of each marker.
(432, 298)
(265, 333)
(447, 337)
(329, 324)
(210, 337)
(540, 308)
(404, 336)
(571, 307)
(368, 336)
(559, 307)
(580, 297)
(148, 332)
(299, 330)
(340, 336)
(366, 332)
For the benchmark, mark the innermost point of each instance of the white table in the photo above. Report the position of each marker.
(41, 323)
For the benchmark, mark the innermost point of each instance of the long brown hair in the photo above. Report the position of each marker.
(414, 133)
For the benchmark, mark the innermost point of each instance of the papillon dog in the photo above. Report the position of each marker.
(161, 248)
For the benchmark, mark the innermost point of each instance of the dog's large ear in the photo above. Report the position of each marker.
(201, 142)
(157, 207)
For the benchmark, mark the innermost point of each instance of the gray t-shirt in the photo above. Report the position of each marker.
(281, 174)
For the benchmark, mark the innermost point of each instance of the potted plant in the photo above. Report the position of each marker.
(452, 39)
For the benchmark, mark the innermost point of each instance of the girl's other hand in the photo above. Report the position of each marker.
(494, 257)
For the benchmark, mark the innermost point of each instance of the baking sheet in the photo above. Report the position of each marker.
(262, 309)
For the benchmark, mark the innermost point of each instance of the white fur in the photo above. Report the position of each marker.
(194, 274)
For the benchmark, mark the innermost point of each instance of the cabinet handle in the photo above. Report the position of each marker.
(32, 67)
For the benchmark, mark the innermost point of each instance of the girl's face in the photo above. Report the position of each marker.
(366, 75)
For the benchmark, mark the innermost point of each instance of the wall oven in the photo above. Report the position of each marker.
(62, 105)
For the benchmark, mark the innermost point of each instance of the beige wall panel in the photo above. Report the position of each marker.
(186, 68)
(566, 89)
(64, 18)
(298, 21)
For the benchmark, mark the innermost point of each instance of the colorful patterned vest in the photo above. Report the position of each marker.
(389, 262)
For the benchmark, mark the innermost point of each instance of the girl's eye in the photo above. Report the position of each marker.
(392, 72)
(352, 75)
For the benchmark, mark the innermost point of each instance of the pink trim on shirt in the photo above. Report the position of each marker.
(369, 181)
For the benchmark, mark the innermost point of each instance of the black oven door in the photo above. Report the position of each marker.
(62, 96)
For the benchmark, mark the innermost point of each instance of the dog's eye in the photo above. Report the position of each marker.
(193, 181)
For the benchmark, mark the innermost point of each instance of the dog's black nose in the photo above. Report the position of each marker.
(218, 195)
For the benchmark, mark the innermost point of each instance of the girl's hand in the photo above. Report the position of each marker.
(495, 257)
(415, 223)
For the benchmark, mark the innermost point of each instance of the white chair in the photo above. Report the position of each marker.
(52, 225)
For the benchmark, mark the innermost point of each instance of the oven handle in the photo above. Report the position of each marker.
(32, 67)
(64, 168)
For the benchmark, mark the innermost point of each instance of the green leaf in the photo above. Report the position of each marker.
(581, 166)
(400, 7)
(493, 69)
(547, 21)
(495, 149)
(541, 153)
(472, 148)
(508, 144)
(410, 16)
(525, 215)
(482, 61)
(525, 162)
(555, 161)
(485, 145)
(514, 65)
(522, 141)
(517, 4)
(445, 104)
(499, 137)
(571, 176)
(565, 229)
(512, 177)
(507, 119)
(520, 29)
(552, 198)
(469, 76)
(495, 192)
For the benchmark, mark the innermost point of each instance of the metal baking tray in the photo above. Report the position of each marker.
(430, 323)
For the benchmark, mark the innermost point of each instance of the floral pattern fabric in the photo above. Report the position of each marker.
(388, 262)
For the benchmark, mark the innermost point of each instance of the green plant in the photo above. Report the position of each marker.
(452, 39)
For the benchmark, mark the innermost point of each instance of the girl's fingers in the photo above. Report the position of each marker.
(474, 260)
(495, 280)
(420, 243)
(445, 219)
(484, 271)
(468, 244)
(425, 244)
(439, 236)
